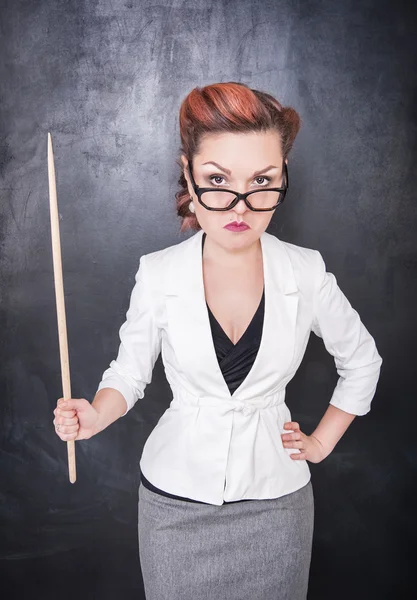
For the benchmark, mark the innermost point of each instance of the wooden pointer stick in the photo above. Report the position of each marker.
(60, 301)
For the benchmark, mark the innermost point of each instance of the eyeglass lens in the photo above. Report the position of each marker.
(259, 199)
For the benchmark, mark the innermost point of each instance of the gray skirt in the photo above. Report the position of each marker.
(252, 550)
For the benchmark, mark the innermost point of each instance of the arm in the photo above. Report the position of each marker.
(357, 360)
(110, 405)
(124, 382)
(331, 428)
(77, 419)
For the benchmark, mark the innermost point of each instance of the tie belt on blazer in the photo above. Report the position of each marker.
(224, 404)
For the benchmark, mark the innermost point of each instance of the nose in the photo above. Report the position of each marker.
(240, 207)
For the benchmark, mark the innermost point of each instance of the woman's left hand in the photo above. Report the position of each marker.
(310, 447)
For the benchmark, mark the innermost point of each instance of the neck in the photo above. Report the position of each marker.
(231, 258)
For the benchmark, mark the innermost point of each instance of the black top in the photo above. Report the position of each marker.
(235, 361)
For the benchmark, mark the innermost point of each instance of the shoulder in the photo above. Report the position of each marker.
(302, 258)
(300, 267)
(161, 263)
(166, 255)
(299, 253)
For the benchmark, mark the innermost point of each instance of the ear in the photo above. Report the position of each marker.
(184, 161)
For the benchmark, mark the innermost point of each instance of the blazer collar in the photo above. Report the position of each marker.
(190, 329)
(278, 271)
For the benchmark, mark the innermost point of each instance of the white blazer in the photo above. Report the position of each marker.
(210, 445)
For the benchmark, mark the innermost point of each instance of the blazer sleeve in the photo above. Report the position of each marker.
(356, 357)
(140, 344)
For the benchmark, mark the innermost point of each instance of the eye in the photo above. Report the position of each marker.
(216, 181)
(216, 177)
(267, 179)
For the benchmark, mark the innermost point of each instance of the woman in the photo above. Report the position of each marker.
(226, 506)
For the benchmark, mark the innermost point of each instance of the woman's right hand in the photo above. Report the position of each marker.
(75, 419)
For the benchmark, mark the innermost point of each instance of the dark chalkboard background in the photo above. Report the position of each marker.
(107, 78)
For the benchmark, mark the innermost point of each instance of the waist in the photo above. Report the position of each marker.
(234, 403)
(146, 483)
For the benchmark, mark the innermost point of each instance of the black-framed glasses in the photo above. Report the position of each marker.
(221, 199)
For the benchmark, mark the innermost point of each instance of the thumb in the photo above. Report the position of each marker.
(73, 403)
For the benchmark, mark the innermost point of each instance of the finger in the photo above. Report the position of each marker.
(291, 436)
(65, 421)
(291, 425)
(65, 437)
(299, 456)
(293, 444)
(62, 403)
(66, 405)
(72, 403)
(67, 428)
(66, 413)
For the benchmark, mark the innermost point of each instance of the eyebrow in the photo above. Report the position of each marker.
(211, 162)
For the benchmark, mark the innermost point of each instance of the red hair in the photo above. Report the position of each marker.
(228, 107)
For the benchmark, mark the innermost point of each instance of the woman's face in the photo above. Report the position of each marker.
(243, 154)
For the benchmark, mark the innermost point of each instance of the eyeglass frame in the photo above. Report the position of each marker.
(200, 190)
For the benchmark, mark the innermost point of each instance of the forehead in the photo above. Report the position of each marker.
(240, 151)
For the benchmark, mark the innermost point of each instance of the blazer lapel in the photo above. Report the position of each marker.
(189, 324)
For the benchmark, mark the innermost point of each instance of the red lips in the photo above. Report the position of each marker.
(235, 226)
